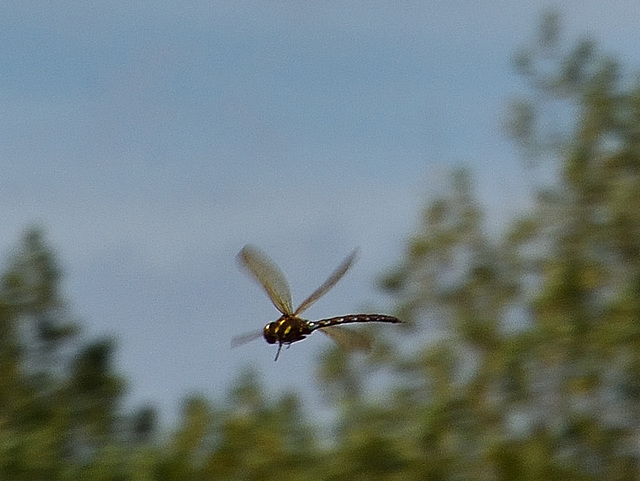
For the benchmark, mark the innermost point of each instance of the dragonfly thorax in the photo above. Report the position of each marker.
(287, 329)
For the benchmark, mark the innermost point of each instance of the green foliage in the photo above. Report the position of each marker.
(533, 377)
(522, 352)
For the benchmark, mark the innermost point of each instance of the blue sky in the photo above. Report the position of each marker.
(152, 140)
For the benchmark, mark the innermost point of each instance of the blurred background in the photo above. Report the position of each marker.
(484, 158)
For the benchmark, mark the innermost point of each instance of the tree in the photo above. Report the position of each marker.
(59, 402)
(536, 377)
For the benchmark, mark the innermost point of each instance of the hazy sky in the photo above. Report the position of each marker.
(153, 139)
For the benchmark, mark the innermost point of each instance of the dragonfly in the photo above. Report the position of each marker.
(290, 327)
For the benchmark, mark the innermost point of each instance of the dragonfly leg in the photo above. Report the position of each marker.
(278, 353)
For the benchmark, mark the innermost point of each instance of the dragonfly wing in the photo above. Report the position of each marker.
(348, 339)
(268, 276)
(328, 284)
(244, 338)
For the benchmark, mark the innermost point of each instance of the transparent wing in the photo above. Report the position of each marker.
(348, 339)
(269, 276)
(244, 338)
(328, 284)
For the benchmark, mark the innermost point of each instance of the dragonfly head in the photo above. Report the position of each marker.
(270, 332)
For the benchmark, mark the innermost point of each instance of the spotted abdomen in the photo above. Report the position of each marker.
(353, 318)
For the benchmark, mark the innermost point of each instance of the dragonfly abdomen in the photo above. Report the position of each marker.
(352, 318)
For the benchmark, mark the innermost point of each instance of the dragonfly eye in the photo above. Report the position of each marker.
(269, 333)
